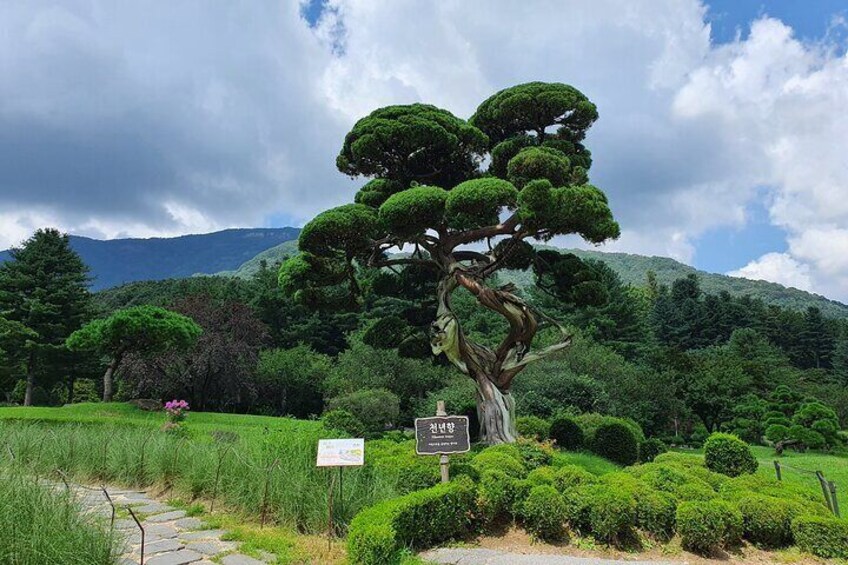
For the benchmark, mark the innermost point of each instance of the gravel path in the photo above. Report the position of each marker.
(171, 538)
(480, 556)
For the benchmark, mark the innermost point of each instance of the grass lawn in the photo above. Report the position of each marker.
(834, 468)
(121, 413)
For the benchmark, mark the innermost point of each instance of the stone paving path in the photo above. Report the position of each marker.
(481, 556)
(171, 538)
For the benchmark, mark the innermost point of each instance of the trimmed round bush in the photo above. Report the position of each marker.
(497, 461)
(532, 427)
(533, 454)
(498, 494)
(542, 476)
(566, 433)
(701, 526)
(821, 535)
(376, 408)
(767, 521)
(343, 421)
(650, 448)
(729, 455)
(732, 519)
(611, 511)
(543, 513)
(418, 520)
(655, 513)
(572, 476)
(616, 442)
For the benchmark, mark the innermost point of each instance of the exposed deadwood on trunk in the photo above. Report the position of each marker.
(492, 370)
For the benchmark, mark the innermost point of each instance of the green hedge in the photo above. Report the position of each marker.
(500, 496)
(700, 525)
(615, 441)
(544, 513)
(729, 455)
(822, 536)
(566, 433)
(655, 513)
(532, 427)
(498, 460)
(377, 535)
(650, 449)
(767, 520)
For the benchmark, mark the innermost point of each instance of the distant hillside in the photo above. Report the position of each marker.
(270, 256)
(633, 269)
(118, 261)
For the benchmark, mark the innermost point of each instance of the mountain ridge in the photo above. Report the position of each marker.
(114, 262)
(240, 252)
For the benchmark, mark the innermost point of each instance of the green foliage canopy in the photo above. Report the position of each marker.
(140, 329)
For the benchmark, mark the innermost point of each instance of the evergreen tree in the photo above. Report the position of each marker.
(816, 340)
(44, 288)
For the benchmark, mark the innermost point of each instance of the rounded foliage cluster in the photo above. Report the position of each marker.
(767, 520)
(610, 509)
(616, 442)
(377, 409)
(343, 421)
(415, 142)
(535, 163)
(478, 202)
(729, 455)
(702, 526)
(566, 433)
(543, 513)
(489, 460)
(823, 536)
(413, 211)
(650, 449)
(532, 427)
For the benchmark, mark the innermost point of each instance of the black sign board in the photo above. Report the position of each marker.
(442, 435)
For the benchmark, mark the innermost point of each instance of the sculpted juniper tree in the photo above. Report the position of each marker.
(429, 206)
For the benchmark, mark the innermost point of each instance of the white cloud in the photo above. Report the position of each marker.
(777, 267)
(123, 119)
(782, 104)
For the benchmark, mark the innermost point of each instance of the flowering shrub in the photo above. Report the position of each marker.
(176, 411)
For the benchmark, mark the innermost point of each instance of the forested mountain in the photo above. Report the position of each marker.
(240, 252)
(118, 261)
(633, 270)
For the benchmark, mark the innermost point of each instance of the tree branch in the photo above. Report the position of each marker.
(507, 227)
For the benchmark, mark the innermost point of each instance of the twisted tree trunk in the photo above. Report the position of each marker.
(492, 369)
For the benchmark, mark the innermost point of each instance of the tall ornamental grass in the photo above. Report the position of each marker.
(253, 466)
(39, 526)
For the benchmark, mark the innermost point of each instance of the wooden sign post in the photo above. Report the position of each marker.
(442, 436)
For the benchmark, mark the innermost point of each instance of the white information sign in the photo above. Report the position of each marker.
(341, 452)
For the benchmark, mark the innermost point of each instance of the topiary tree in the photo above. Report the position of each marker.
(616, 442)
(143, 330)
(729, 455)
(459, 226)
(566, 433)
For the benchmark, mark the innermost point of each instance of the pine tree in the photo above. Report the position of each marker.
(816, 340)
(44, 288)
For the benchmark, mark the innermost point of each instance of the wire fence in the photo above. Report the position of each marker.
(828, 487)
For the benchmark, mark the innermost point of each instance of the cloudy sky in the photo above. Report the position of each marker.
(722, 142)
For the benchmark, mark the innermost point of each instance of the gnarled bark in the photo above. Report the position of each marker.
(492, 369)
